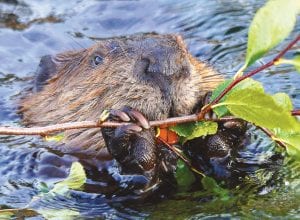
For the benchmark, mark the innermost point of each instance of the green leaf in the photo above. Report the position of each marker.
(6, 214)
(104, 115)
(283, 100)
(271, 24)
(75, 180)
(203, 128)
(260, 109)
(55, 138)
(184, 176)
(222, 110)
(210, 185)
(296, 63)
(247, 83)
(291, 139)
(63, 214)
(219, 89)
(17, 213)
(184, 130)
(193, 130)
(43, 187)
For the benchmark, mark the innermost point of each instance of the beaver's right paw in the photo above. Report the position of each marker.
(132, 145)
(122, 134)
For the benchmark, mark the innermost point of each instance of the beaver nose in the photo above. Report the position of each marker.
(152, 66)
(166, 65)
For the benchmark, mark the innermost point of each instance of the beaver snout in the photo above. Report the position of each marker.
(147, 66)
(167, 57)
(158, 63)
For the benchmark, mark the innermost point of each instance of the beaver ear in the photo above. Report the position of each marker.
(47, 68)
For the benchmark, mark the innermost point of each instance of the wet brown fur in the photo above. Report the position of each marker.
(80, 91)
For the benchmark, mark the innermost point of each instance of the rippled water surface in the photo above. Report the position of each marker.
(214, 30)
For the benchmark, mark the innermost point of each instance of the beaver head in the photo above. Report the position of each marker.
(152, 73)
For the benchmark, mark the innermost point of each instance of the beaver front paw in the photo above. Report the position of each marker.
(213, 154)
(132, 145)
(138, 155)
(229, 135)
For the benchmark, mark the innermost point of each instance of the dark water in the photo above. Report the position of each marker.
(214, 31)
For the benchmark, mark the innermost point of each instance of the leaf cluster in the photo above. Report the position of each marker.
(246, 98)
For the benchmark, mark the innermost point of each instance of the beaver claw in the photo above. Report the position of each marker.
(128, 114)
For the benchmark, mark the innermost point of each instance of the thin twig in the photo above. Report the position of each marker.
(271, 135)
(296, 112)
(181, 156)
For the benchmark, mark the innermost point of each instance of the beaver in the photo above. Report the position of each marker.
(138, 78)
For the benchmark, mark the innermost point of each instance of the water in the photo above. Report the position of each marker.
(215, 31)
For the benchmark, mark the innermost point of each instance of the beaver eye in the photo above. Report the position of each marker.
(98, 60)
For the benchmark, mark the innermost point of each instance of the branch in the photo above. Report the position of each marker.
(181, 156)
(271, 135)
(296, 112)
(252, 73)
(46, 130)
